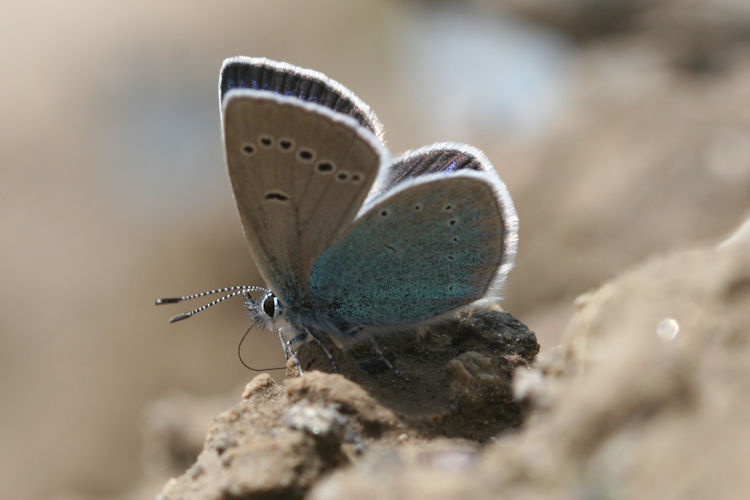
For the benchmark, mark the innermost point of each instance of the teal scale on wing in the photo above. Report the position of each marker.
(424, 250)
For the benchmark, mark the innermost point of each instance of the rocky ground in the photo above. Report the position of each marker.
(646, 396)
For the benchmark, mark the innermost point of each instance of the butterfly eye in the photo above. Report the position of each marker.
(265, 141)
(271, 306)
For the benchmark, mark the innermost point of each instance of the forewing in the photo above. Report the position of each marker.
(300, 172)
(432, 245)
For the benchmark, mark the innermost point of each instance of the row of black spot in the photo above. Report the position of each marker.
(284, 144)
(304, 155)
(386, 212)
(418, 207)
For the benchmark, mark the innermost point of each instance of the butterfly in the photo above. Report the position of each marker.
(347, 239)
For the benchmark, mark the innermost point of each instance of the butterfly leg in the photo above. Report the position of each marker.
(322, 346)
(289, 351)
(385, 360)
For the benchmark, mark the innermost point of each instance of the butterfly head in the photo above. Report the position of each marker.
(266, 311)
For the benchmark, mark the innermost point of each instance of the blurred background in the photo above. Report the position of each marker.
(621, 128)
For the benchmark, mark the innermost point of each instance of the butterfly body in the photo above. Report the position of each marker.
(346, 238)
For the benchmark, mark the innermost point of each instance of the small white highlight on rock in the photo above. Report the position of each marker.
(667, 329)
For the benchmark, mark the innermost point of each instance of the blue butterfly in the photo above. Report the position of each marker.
(346, 239)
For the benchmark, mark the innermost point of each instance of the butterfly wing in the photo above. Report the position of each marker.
(442, 157)
(434, 243)
(300, 172)
(307, 85)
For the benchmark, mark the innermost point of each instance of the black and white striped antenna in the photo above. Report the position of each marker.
(233, 291)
